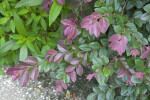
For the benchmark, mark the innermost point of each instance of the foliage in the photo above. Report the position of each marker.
(110, 36)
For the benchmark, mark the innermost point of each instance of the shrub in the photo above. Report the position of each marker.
(110, 36)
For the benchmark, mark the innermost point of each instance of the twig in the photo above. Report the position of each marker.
(124, 7)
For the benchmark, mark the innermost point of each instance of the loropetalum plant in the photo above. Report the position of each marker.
(111, 38)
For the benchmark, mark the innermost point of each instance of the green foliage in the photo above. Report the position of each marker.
(25, 30)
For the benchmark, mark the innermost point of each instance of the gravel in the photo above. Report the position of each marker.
(43, 89)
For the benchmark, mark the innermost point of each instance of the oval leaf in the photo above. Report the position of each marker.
(58, 57)
(34, 73)
(24, 79)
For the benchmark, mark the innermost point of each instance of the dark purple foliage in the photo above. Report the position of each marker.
(24, 78)
(34, 73)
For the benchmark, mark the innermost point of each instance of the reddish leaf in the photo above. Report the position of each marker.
(68, 56)
(118, 43)
(87, 1)
(122, 73)
(61, 2)
(129, 80)
(59, 81)
(23, 63)
(14, 77)
(135, 52)
(84, 62)
(145, 51)
(34, 73)
(139, 75)
(58, 57)
(90, 76)
(104, 24)
(52, 52)
(70, 28)
(31, 60)
(79, 70)
(58, 88)
(50, 59)
(74, 61)
(64, 85)
(12, 70)
(62, 47)
(69, 69)
(24, 79)
(73, 76)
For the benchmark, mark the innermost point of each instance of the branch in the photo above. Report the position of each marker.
(124, 7)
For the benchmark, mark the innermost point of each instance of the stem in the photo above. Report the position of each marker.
(124, 7)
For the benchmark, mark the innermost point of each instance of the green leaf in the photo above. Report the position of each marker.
(104, 59)
(23, 53)
(97, 4)
(145, 16)
(135, 80)
(137, 91)
(54, 12)
(118, 29)
(1, 71)
(94, 45)
(93, 54)
(97, 61)
(12, 26)
(23, 11)
(101, 78)
(3, 20)
(106, 71)
(110, 95)
(147, 8)
(16, 36)
(101, 96)
(139, 64)
(66, 79)
(19, 25)
(92, 96)
(43, 23)
(103, 52)
(46, 67)
(124, 90)
(104, 87)
(85, 47)
(7, 46)
(105, 42)
(28, 3)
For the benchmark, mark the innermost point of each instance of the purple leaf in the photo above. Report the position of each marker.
(135, 52)
(118, 43)
(50, 59)
(87, 1)
(31, 60)
(13, 70)
(79, 70)
(61, 2)
(104, 24)
(47, 55)
(34, 73)
(64, 85)
(58, 88)
(73, 76)
(59, 81)
(70, 28)
(122, 73)
(23, 63)
(90, 76)
(145, 51)
(52, 52)
(139, 75)
(69, 69)
(58, 57)
(24, 79)
(62, 47)
(14, 77)
(68, 56)
(84, 62)
(129, 80)
(74, 61)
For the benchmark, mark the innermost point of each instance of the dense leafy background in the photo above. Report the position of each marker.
(25, 30)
